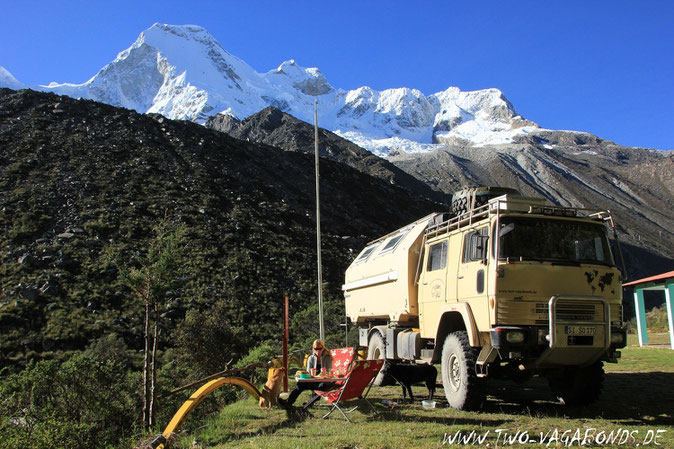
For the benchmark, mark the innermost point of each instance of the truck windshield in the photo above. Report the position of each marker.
(553, 240)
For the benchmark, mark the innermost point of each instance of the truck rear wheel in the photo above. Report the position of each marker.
(463, 389)
(376, 350)
(578, 386)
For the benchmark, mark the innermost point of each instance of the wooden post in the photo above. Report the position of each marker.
(286, 335)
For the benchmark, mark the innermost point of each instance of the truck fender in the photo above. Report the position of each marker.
(364, 334)
(457, 317)
(380, 329)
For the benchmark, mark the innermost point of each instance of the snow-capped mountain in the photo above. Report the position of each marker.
(182, 72)
(8, 80)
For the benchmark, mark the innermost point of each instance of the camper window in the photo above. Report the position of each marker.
(392, 243)
(366, 253)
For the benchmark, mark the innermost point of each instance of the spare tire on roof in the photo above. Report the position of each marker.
(471, 198)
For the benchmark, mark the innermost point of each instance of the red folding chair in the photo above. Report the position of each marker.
(341, 360)
(362, 374)
(341, 363)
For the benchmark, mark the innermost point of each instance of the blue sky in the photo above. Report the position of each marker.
(605, 67)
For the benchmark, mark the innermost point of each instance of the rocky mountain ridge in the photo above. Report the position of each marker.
(634, 184)
(273, 127)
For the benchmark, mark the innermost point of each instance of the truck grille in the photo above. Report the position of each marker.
(524, 312)
(578, 311)
(517, 312)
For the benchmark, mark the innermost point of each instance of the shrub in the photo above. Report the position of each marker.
(264, 352)
(656, 321)
(82, 402)
(207, 340)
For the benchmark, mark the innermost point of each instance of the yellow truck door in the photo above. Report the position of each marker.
(472, 273)
(432, 286)
(453, 264)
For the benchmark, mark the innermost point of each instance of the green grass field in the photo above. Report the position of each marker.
(654, 338)
(636, 407)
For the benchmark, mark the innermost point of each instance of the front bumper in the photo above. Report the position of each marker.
(566, 340)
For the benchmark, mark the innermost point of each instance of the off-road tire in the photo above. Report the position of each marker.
(463, 389)
(574, 385)
(376, 350)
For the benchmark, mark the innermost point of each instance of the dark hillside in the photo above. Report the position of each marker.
(78, 178)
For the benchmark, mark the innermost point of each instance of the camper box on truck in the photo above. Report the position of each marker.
(380, 284)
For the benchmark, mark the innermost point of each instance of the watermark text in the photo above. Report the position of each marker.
(590, 436)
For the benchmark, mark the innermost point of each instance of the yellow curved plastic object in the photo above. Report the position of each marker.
(184, 411)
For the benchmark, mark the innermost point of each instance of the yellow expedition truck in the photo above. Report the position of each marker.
(504, 286)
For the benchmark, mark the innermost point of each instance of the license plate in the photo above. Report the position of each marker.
(580, 330)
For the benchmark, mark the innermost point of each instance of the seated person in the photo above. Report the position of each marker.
(320, 358)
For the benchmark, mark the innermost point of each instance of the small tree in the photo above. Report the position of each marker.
(208, 342)
(151, 277)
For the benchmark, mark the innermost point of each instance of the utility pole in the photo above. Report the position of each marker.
(318, 228)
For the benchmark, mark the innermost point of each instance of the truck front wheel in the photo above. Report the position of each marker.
(578, 386)
(463, 389)
(376, 350)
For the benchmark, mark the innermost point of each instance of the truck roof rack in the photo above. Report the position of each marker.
(514, 204)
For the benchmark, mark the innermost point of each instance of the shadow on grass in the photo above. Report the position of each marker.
(627, 398)
(398, 413)
(445, 421)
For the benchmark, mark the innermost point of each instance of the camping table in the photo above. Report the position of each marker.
(318, 379)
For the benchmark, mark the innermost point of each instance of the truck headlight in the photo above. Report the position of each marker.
(515, 337)
(508, 336)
